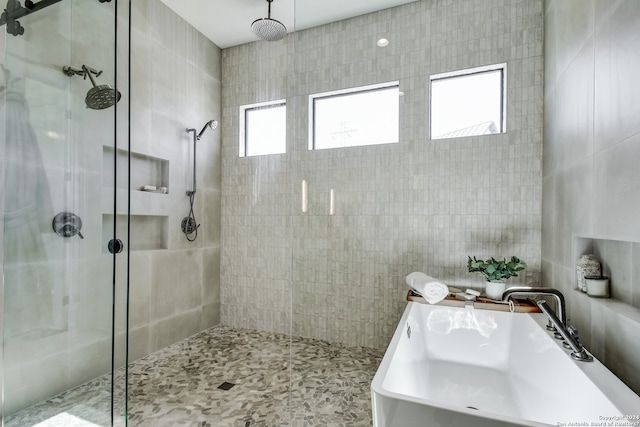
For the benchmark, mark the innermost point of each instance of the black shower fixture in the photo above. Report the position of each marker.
(189, 224)
(15, 11)
(98, 97)
(269, 29)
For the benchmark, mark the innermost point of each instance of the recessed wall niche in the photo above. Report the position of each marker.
(145, 170)
(147, 232)
(620, 262)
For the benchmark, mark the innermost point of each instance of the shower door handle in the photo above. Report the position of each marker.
(115, 246)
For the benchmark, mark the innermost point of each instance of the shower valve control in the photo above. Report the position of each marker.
(67, 224)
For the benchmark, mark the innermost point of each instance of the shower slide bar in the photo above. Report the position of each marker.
(15, 11)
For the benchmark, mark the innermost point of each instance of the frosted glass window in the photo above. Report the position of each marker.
(367, 115)
(263, 128)
(468, 102)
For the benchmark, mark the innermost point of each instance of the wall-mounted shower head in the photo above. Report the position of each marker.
(268, 29)
(98, 97)
(101, 97)
(210, 124)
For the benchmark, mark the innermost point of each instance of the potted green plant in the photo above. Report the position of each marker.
(496, 272)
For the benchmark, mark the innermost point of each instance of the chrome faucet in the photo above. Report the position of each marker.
(559, 326)
(530, 291)
(569, 334)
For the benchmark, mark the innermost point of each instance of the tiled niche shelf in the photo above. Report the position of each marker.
(148, 232)
(621, 263)
(149, 222)
(145, 170)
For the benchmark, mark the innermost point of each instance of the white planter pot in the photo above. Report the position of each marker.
(494, 290)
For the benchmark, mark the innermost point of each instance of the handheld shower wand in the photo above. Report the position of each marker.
(189, 223)
(212, 124)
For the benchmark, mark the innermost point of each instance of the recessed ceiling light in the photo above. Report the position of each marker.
(383, 42)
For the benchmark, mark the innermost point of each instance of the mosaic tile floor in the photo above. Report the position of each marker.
(326, 385)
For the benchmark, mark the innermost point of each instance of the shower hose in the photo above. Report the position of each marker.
(189, 223)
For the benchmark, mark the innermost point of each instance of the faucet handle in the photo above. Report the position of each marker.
(550, 326)
(573, 332)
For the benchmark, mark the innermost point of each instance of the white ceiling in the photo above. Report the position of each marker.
(227, 22)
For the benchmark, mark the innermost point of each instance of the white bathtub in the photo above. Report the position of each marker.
(458, 367)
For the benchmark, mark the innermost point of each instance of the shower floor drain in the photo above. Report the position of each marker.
(226, 386)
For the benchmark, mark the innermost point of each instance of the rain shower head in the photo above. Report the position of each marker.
(99, 97)
(268, 29)
(210, 124)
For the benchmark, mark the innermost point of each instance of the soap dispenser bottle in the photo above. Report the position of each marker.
(586, 266)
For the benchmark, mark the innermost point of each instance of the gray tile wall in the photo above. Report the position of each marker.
(418, 205)
(591, 174)
(175, 84)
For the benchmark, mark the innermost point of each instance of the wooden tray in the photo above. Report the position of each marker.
(482, 303)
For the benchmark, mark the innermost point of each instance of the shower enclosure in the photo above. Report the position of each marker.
(64, 289)
(328, 270)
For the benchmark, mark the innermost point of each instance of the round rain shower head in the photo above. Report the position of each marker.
(98, 97)
(269, 29)
(101, 97)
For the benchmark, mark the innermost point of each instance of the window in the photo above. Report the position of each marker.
(366, 115)
(468, 102)
(263, 128)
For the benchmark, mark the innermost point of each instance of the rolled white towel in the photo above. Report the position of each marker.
(414, 278)
(432, 290)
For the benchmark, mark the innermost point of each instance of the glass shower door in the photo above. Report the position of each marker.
(349, 236)
(63, 311)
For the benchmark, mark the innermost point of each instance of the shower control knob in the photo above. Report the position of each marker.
(70, 230)
(67, 224)
(115, 246)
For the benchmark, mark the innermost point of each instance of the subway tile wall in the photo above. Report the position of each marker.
(419, 205)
